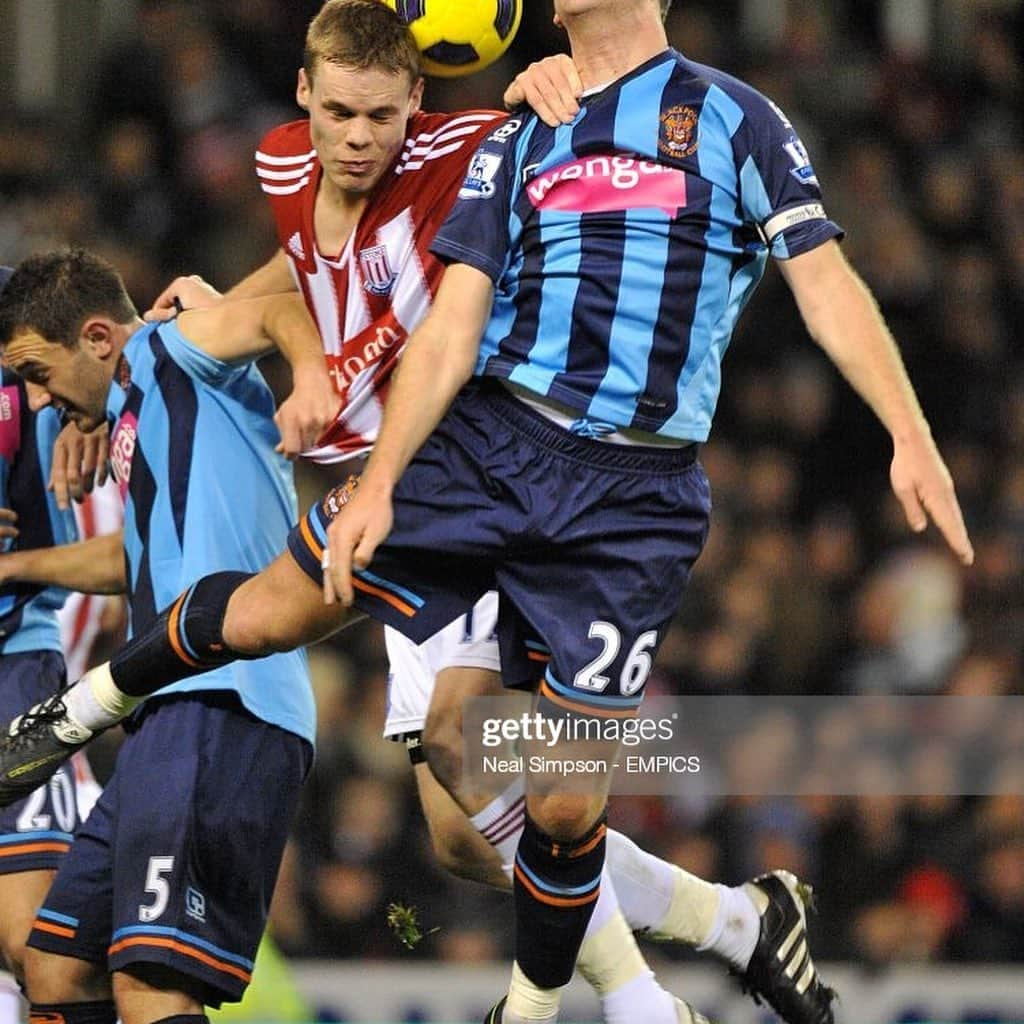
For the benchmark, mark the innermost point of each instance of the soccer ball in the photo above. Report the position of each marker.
(458, 37)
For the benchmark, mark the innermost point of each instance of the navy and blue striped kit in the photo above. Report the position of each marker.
(35, 832)
(176, 863)
(622, 248)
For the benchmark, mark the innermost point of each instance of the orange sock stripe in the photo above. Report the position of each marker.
(583, 709)
(312, 543)
(537, 656)
(368, 588)
(172, 633)
(51, 846)
(555, 901)
(53, 929)
(180, 947)
(594, 840)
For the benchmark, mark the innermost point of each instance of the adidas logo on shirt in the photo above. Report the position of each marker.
(295, 246)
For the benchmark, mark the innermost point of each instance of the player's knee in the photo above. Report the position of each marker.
(454, 849)
(250, 627)
(248, 637)
(564, 817)
(442, 746)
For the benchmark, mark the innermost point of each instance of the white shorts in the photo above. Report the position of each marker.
(470, 641)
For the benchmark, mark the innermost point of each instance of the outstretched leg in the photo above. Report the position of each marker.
(224, 617)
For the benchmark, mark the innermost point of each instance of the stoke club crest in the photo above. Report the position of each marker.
(378, 277)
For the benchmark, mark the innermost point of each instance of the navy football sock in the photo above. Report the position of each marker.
(556, 886)
(183, 641)
(100, 1012)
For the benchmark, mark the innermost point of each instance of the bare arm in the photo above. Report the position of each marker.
(243, 330)
(192, 292)
(94, 566)
(438, 359)
(843, 318)
(273, 278)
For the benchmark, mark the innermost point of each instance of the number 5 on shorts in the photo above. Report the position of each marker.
(157, 885)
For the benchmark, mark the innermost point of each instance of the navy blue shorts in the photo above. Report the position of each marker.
(36, 832)
(589, 545)
(177, 862)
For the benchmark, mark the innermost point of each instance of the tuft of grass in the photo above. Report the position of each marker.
(404, 922)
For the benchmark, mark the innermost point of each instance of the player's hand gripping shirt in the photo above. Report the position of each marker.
(192, 447)
(367, 299)
(624, 246)
(28, 619)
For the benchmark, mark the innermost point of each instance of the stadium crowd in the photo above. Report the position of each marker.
(810, 583)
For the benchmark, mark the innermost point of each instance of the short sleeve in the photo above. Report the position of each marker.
(194, 361)
(476, 231)
(779, 189)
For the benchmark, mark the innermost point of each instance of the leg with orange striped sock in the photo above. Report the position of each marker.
(225, 617)
(183, 641)
(556, 885)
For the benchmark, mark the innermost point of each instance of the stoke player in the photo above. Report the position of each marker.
(82, 620)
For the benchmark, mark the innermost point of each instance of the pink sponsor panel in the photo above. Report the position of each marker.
(122, 450)
(10, 421)
(598, 184)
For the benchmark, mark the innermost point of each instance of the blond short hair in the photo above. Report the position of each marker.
(360, 34)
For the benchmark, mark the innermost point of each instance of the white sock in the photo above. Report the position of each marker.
(501, 823)
(612, 963)
(10, 1000)
(670, 903)
(95, 702)
(736, 927)
(659, 897)
(527, 1002)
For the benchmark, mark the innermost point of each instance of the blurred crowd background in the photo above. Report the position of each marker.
(140, 146)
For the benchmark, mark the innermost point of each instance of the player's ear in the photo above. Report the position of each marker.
(558, 22)
(303, 89)
(416, 97)
(97, 337)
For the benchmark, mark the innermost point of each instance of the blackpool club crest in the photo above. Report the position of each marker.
(378, 277)
(678, 132)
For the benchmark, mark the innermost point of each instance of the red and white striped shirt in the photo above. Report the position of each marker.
(101, 512)
(368, 300)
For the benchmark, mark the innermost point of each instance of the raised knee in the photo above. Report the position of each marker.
(247, 636)
(248, 627)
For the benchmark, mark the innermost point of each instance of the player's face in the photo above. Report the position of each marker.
(357, 121)
(76, 381)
